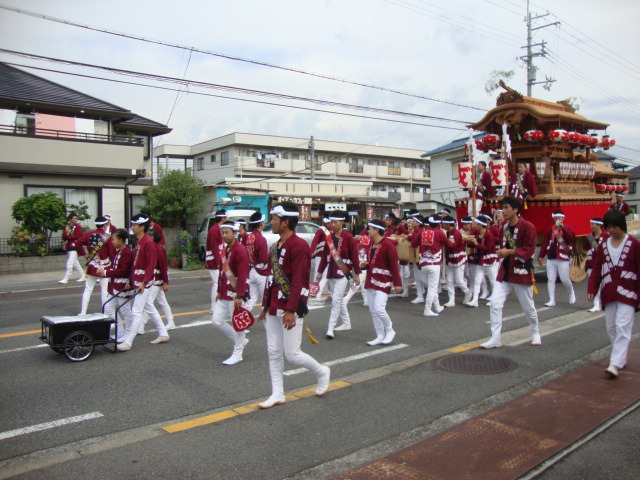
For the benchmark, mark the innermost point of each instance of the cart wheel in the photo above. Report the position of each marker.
(78, 346)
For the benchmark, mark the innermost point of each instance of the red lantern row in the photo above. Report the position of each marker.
(604, 188)
(559, 136)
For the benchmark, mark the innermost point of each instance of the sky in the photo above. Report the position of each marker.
(429, 58)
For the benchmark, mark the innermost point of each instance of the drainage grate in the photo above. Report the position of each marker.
(475, 363)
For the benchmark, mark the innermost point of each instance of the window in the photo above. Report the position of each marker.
(224, 158)
(243, 152)
(295, 156)
(632, 188)
(454, 170)
(394, 168)
(200, 163)
(356, 165)
(73, 196)
(213, 158)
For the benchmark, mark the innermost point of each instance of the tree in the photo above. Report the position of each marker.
(176, 199)
(492, 83)
(42, 213)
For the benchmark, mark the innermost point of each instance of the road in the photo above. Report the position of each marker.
(107, 414)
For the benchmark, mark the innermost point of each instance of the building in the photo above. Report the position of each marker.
(366, 180)
(53, 138)
(632, 196)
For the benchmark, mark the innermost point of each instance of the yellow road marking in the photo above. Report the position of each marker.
(220, 416)
(17, 334)
(463, 348)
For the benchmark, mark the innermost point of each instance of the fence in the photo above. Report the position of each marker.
(55, 247)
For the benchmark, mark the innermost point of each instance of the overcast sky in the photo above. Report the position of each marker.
(439, 50)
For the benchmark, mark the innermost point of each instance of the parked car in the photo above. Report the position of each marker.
(234, 215)
(305, 230)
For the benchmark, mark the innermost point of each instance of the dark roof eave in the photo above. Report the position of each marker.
(25, 105)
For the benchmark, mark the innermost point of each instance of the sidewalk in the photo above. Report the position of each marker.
(521, 435)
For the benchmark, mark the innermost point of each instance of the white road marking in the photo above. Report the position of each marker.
(352, 358)
(48, 425)
(23, 348)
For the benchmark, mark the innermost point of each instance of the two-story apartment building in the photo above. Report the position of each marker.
(367, 180)
(53, 138)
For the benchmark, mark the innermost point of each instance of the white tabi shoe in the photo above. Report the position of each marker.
(124, 347)
(171, 326)
(343, 327)
(572, 299)
(467, 296)
(418, 300)
(81, 279)
(376, 341)
(472, 304)
(330, 334)
(550, 304)
(232, 360)
(612, 371)
(536, 340)
(272, 401)
(160, 339)
(64, 280)
(323, 382)
(595, 309)
(429, 313)
(389, 336)
(493, 343)
(439, 309)
(449, 304)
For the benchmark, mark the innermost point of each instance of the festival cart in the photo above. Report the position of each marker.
(558, 146)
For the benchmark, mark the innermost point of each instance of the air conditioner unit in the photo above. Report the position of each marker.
(237, 199)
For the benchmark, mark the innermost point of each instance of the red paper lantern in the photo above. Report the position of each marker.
(610, 188)
(612, 142)
(574, 137)
(491, 139)
(625, 188)
(601, 187)
(585, 139)
(533, 135)
(481, 146)
(619, 188)
(594, 141)
(559, 135)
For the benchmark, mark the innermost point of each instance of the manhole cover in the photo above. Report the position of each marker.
(475, 363)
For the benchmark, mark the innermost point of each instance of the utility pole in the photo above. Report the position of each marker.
(528, 58)
(313, 159)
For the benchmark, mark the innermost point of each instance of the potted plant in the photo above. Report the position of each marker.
(184, 244)
(174, 258)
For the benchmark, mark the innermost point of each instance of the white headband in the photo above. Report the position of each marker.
(619, 195)
(326, 220)
(597, 222)
(139, 220)
(338, 218)
(222, 215)
(100, 223)
(480, 221)
(416, 219)
(235, 227)
(261, 219)
(281, 212)
(554, 215)
(433, 220)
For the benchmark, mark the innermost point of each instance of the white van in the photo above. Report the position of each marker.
(234, 215)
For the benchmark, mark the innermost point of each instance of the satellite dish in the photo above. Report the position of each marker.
(237, 198)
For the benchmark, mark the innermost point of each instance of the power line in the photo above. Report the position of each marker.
(245, 91)
(228, 57)
(239, 99)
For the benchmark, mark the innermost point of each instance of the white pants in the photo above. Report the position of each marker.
(215, 274)
(256, 288)
(479, 203)
(525, 296)
(596, 300)
(283, 343)
(455, 278)
(558, 268)
(123, 306)
(73, 264)
(150, 309)
(378, 309)
(323, 280)
(337, 287)
(221, 314)
(419, 281)
(141, 307)
(88, 289)
(431, 277)
(619, 319)
(480, 272)
(164, 305)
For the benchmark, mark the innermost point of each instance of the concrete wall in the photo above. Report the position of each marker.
(17, 265)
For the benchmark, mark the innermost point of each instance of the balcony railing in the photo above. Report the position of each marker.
(66, 135)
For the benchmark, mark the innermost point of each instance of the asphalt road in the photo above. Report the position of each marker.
(389, 395)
